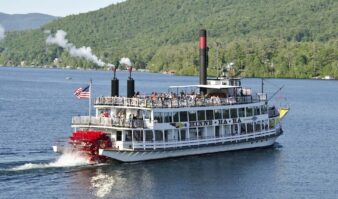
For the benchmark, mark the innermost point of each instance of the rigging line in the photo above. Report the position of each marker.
(271, 83)
(275, 93)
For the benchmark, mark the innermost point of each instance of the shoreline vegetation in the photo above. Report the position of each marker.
(163, 73)
(277, 39)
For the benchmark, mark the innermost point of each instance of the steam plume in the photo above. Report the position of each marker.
(84, 52)
(125, 61)
(2, 33)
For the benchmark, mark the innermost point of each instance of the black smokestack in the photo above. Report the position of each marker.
(203, 59)
(114, 84)
(115, 87)
(130, 87)
(130, 84)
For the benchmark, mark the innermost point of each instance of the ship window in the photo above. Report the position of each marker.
(200, 131)
(193, 133)
(167, 117)
(192, 116)
(166, 134)
(235, 127)
(226, 114)
(149, 135)
(249, 111)
(264, 109)
(182, 134)
(241, 112)
(183, 116)
(176, 117)
(266, 124)
(272, 123)
(128, 136)
(243, 128)
(118, 136)
(257, 110)
(217, 131)
(138, 135)
(218, 114)
(146, 114)
(249, 127)
(210, 114)
(258, 126)
(201, 115)
(158, 117)
(234, 113)
(158, 135)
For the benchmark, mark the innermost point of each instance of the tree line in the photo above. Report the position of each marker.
(276, 38)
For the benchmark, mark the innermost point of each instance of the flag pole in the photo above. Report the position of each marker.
(90, 99)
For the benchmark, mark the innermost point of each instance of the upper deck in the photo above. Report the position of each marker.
(220, 92)
(173, 101)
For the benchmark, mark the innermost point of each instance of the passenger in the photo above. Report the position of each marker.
(105, 114)
(130, 120)
(182, 94)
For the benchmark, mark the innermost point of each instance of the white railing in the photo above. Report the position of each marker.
(106, 121)
(149, 145)
(161, 102)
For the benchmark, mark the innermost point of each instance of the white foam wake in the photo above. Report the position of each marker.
(102, 184)
(65, 160)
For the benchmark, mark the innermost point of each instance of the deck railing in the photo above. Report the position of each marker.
(105, 121)
(186, 101)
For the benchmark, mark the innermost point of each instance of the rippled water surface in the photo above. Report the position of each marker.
(36, 106)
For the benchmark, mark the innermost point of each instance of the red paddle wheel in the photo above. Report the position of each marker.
(89, 143)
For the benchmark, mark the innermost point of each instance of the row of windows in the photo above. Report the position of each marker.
(196, 132)
(191, 116)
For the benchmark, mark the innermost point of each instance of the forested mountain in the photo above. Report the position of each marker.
(24, 21)
(281, 38)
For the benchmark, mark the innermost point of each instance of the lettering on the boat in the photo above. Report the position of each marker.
(214, 122)
(201, 123)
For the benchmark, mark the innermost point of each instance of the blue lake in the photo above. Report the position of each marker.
(36, 106)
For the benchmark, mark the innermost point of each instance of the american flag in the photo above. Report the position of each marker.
(82, 93)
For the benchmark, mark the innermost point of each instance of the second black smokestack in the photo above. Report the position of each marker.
(114, 85)
(203, 59)
(130, 84)
(130, 87)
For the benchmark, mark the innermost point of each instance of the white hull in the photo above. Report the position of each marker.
(134, 156)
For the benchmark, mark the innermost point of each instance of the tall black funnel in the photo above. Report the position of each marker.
(203, 59)
(130, 87)
(115, 87)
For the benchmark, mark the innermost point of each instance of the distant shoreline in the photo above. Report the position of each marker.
(147, 71)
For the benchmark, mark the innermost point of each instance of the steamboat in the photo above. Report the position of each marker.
(215, 115)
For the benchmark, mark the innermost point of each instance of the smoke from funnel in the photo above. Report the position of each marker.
(2, 33)
(84, 52)
(125, 61)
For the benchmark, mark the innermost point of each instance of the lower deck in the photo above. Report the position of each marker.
(195, 142)
(134, 156)
(172, 139)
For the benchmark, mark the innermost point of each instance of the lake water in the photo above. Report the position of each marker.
(36, 106)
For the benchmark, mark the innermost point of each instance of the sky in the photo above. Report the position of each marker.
(53, 7)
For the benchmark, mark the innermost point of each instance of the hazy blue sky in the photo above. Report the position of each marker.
(52, 7)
